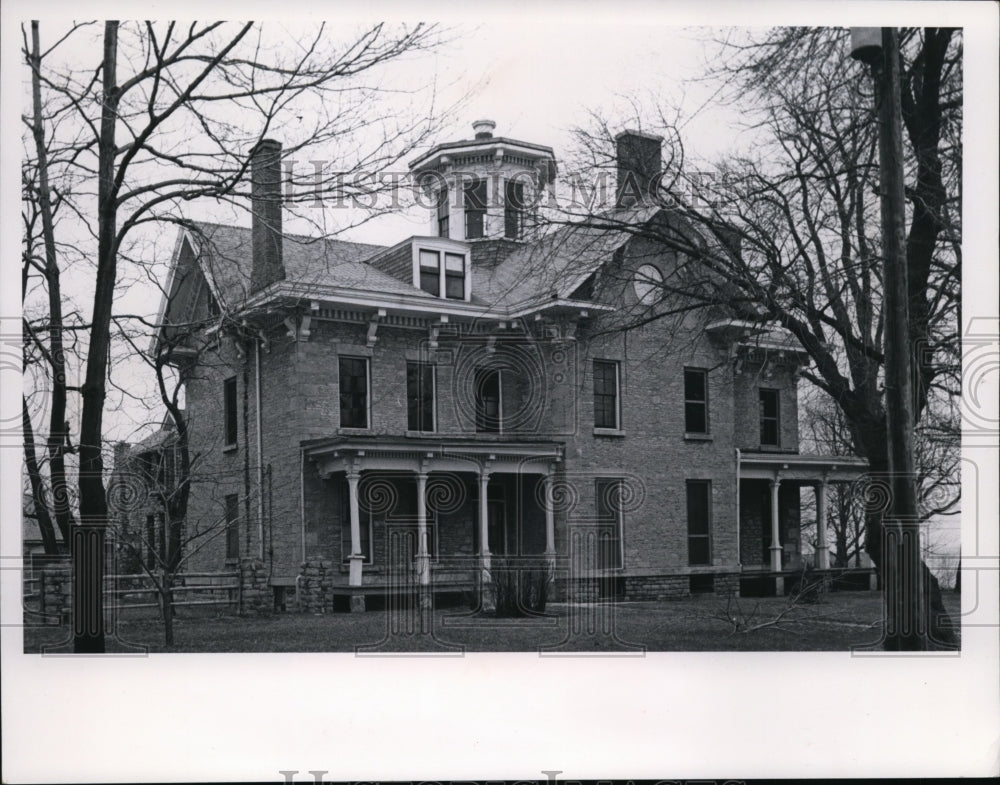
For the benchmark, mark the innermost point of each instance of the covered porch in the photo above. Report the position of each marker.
(769, 516)
(425, 513)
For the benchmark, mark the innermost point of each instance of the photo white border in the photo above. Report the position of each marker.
(502, 716)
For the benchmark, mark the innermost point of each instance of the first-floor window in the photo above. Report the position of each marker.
(353, 392)
(232, 527)
(770, 433)
(420, 396)
(609, 522)
(699, 514)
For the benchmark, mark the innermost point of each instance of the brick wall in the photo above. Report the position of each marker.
(551, 390)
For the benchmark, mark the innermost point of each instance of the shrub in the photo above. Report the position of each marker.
(809, 587)
(520, 586)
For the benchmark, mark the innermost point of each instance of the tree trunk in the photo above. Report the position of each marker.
(37, 491)
(938, 623)
(88, 552)
(58, 427)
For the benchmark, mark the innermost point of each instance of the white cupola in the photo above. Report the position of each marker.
(484, 188)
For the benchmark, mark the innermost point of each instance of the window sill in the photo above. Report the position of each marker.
(698, 437)
(354, 431)
(615, 432)
(230, 448)
(420, 434)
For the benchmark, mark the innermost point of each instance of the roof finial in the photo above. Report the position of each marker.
(484, 129)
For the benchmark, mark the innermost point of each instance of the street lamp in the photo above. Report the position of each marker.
(902, 569)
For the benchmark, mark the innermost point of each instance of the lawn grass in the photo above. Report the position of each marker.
(839, 622)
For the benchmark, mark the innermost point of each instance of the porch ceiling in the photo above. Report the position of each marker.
(426, 454)
(809, 468)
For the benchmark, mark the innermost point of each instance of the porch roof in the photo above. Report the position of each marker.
(428, 453)
(811, 468)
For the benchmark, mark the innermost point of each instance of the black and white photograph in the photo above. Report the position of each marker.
(549, 392)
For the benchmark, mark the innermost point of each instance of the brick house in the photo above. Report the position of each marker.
(366, 414)
(144, 476)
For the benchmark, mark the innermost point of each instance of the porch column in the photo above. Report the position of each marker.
(550, 523)
(822, 551)
(356, 557)
(423, 558)
(775, 527)
(484, 524)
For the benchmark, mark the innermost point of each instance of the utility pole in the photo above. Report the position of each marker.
(902, 569)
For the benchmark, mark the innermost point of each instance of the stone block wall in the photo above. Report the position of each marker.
(255, 594)
(57, 594)
(656, 587)
(314, 593)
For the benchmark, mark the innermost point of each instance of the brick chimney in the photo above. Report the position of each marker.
(639, 159)
(265, 172)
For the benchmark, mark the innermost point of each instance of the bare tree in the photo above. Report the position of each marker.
(167, 115)
(787, 233)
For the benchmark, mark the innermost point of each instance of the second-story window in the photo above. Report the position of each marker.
(442, 212)
(770, 431)
(513, 210)
(420, 396)
(695, 400)
(487, 400)
(475, 209)
(606, 394)
(353, 392)
(229, 419)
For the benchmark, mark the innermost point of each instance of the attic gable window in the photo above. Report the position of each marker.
(213, 304)
(443, 273)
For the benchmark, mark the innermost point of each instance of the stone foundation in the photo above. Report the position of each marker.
(255, 594)
(649, 587)
(314, 589)
(57, 594)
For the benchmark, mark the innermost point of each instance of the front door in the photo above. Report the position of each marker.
(496, 519)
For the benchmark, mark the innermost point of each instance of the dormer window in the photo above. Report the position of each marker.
(443, 273)
(475, 209)
(454, 276)
(430, 272)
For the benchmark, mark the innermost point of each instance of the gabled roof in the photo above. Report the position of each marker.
(558, 263)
